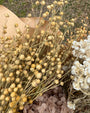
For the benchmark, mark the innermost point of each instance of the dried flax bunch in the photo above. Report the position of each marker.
(33, 64)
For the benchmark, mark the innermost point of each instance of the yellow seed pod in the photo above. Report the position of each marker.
(62, 3)
(61, 83)
(34, 84)
(72, 77)
(13, 98)
(5, 66)
(18, 35)
(43, 2)
(45, 64)
(21, 57)
(38, 36)
(49, 7)
(29, 78)
(59, 76)
(17, 62)
(7, 15)
(10, 111)
(11, 74)
(36, 72)
(11, 104)
(37, 81)
(62, 72)
(50, 72)
(38, 75)
(24, 99)
(59, 66)
(66, 2)
(44, 15)
(4, 31)
(21, 89)
(12, 85)
(59, 17)
(30, 101)
(7, 98)
(15, 89)
(17, 98)
(23, 95)
(10, 90)
(61, 23)
(47, 13)
(29, 15)
(72, 24)
(52, 64)
(59, 63)
(56, 81)
(2, 97)
(28, 58)
(32, 69)
(55, 2)
(53, 59)
(44, 77)
(13, 94)
(54, 18)
(21, 107)
(27, 36)
(53, 23)
(5, 92)
(16, 25)
(25, 72)
(20, 66)
(59, 3)
(2, 56)
(18, 30)
(17, 80)
(3, 79)
(17, 72)
(58, 71)
(38, 67)
(43, 70)
(61, 13)
(37, 2)
(50, 37)
(41, 61)
(42, 32)
(33, 66)
(19, 85)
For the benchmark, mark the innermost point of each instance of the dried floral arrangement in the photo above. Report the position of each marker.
(36, 55)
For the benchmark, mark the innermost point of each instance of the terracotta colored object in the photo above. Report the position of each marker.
(9, 19)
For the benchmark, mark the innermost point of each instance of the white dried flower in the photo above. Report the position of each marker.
(76, 85)
(88, 80)
(80, 71)
(71, 105)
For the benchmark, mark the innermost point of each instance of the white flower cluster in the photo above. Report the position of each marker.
(80, 71)
(71, 105)
(82, 48)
